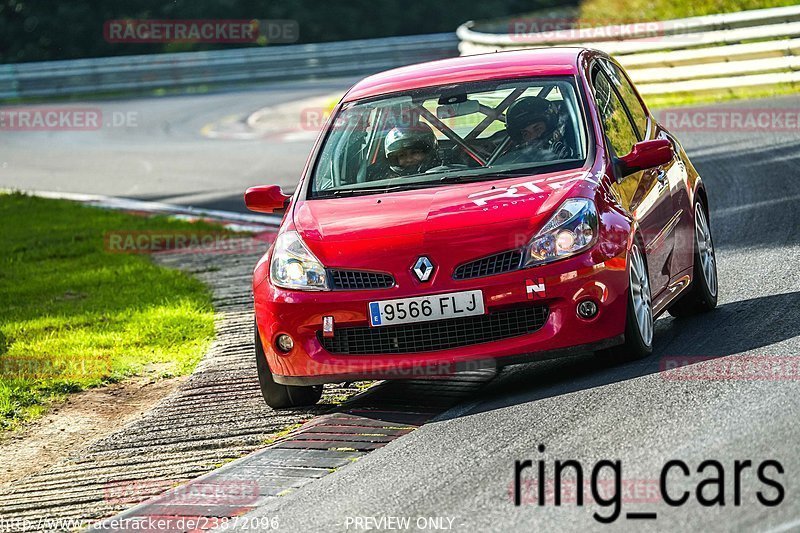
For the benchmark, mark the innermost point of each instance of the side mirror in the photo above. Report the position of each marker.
(645, 154)
(266, 199)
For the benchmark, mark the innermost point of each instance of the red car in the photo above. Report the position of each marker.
(481, 210)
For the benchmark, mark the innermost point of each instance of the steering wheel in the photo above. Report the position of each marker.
(452, 166)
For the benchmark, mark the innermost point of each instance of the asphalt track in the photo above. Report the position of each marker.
(156, 151)
(461, 465)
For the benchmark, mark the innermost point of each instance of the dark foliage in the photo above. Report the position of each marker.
(36, 30)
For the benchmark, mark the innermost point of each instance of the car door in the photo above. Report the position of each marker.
(680, 228)
(645, 194)
(682, 224)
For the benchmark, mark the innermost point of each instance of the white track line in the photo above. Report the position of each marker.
(113, 202)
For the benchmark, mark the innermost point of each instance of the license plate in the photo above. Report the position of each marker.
(425, 308)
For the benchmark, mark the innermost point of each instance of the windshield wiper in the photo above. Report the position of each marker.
(488, 176)
(460, 179)
(342, 193)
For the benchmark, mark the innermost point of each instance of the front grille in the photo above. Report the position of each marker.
(438, 335)
(345, 280)
(488, 266)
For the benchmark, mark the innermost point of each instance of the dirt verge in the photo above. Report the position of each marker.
(72, 423)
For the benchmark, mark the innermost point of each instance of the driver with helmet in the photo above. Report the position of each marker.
(532, 126)
(411, 149)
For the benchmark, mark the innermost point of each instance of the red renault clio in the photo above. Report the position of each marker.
(482, 210)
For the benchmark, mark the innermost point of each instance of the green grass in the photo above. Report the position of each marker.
(628, 11)
(109, 95)
(281, 433)
(710, 97)
(73, 315)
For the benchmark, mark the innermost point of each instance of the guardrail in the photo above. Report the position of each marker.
(247, 65)
(748, 48)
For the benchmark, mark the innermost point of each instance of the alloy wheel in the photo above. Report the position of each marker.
(640, 295)
(705, 249)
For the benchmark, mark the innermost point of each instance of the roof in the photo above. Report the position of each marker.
(499, 65)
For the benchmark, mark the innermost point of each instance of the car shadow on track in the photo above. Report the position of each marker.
(748, 326)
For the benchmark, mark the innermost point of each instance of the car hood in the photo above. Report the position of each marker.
(454, 222)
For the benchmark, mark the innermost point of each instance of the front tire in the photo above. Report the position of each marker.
(280, 396)
(639, 318)
(702, 295)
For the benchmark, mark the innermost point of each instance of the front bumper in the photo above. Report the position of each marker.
(567, 283)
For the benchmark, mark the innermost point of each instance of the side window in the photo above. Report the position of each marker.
(618, 128)
(628, 95)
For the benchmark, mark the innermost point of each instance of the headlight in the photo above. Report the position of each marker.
(293, 266)
(572, 229)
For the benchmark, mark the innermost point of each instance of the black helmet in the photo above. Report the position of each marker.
(525, 112)
(420, 136)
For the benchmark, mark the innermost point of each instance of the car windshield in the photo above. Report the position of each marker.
(446, 134)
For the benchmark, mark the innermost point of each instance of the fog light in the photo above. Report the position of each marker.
(587, 309)
(284, 343)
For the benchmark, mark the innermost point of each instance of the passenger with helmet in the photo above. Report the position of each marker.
(411, 149)
(532, 126)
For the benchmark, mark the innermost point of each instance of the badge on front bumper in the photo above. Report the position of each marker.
(535, 290)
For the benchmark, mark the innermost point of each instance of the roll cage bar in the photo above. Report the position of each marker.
(492, 114)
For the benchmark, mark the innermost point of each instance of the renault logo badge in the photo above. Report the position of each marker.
(423, 268)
